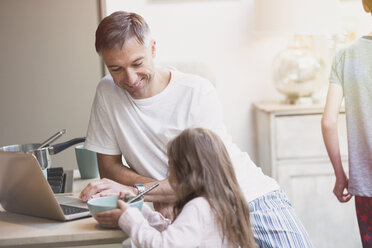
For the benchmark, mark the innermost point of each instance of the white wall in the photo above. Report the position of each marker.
(218, 34)
(48, 71)
(214, 33)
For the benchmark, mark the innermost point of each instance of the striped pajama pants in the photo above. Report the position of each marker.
(275, 224)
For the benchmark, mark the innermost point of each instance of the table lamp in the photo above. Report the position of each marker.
(297, 70)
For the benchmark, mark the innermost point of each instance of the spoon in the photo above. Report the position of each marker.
(144, 192)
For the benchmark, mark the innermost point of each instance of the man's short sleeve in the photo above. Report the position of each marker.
(100, 135)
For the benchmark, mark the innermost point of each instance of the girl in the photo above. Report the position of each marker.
(351, 79)
(210, 209)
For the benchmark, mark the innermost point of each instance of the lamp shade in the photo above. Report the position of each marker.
(303, 17)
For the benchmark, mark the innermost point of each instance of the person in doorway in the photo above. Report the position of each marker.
(140, 107)
(210, 208)
(351, 78)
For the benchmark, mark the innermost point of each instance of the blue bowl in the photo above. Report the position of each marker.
(106, 203)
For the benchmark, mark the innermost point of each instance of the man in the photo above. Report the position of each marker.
(139, 108)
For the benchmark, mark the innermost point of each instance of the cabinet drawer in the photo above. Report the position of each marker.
(301, 136)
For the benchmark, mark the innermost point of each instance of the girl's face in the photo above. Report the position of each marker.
(365, 6)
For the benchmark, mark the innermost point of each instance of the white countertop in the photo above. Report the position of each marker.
(21, 230)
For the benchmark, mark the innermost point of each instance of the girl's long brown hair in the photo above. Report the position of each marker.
(199, 165)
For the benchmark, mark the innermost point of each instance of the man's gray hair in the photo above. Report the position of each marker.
(115, 29)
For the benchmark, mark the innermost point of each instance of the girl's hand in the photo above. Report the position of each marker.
(111, 218)
(341, 189)
(166, 209)
(121, 204)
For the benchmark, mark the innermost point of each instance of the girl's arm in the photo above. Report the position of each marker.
(155, 219)
(186, 231)
(330, 137)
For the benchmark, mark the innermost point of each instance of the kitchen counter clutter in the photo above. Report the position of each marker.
(26, 231)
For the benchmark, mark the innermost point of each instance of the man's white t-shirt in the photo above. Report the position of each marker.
(140, 129)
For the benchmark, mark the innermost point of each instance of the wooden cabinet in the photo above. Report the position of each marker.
(291, 149)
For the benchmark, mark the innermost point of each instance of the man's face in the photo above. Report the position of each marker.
(132, 67)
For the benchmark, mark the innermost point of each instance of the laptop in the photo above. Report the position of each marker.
(25, 190)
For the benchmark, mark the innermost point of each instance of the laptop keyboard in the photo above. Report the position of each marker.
(56, 179)
(67, 210)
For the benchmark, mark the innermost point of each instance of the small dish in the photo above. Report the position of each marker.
(106, 203)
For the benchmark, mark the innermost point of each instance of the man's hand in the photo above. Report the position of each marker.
(111, 218)
(104, 187)
(341, 185)
(165, 208)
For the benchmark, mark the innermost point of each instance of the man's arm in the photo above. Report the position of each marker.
(111, 167)
(330, 137)
(116, 178)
